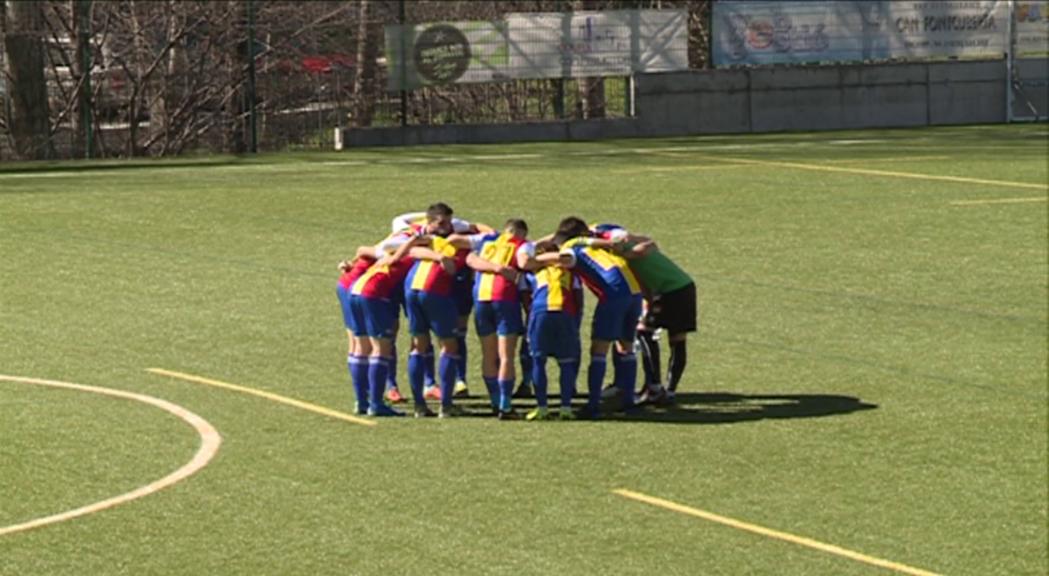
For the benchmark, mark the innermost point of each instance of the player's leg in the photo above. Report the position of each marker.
(360, 350)
(509, 326)
(680, 309)
(626, 368)
(484, 323)
(419, 330)
(540, 336)
(379, 327)
(393, 392)
(463, 294)
(541, 385)
(441, 312)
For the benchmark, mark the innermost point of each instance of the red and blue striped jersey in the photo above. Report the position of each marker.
(605, 273)
(498, 249)
(382, 281)
(347, 278)
(552, 291)
(428, 276)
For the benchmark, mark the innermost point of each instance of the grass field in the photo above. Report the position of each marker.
(870, 372)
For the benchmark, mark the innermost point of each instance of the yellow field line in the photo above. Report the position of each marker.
(1000, 201)
(263, 394)
(870, 172)
(210, 440)
(800, 540)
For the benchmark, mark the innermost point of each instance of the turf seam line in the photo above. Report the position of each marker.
(762, 531)
(315, 408)
(210, 440)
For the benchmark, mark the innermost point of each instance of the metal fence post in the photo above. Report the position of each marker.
(252, 120)
(404, 65)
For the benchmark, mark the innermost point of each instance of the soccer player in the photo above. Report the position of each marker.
(553, 330)
(372, 303)
(670, 295)
(357, 354)
(608, 276)
(497, 319)
(462, 289)
(431, 308)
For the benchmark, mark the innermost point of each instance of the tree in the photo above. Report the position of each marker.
(23, 26)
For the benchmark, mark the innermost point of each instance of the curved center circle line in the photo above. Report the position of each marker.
(210, 440)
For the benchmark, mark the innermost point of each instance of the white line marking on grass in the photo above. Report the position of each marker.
(209, 446)
(800, 540)
(263, 394)
(343, 163)
(648, 170)
(850, 142)
(868, 172)
(887, 159)
(505, 156)
(999, 201)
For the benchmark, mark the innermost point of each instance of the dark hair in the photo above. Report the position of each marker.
(518, 225)
(544, 246)
(560, 238)
(438, 210)
(573, 226)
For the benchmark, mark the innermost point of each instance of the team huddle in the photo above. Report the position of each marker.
(527, 301)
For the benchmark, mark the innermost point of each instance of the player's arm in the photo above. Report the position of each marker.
(405, 221)
(481, 265)
(402, 250)
(365, 252)
(461, 241)
(642, 249)
(426, 253)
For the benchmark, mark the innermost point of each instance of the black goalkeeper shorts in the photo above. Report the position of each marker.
(674, 311)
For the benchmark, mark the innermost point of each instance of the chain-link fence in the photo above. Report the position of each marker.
(122, 78)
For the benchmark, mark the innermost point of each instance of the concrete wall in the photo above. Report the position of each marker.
(1033, 76)
(759, 100)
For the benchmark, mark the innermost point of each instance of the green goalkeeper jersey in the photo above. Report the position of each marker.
(658, 273)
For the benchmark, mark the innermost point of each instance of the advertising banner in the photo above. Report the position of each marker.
(537, 45)
(809, 31)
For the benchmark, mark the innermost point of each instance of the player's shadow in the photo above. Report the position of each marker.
(726, 408)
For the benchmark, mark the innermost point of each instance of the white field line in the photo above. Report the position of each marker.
(210, 440)
(998, 201)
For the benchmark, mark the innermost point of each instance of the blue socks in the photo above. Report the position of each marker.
(595, 377)
(429, 371)
(569, 372)
(358, 366)
(416, 371)
(492, 384)
(460, 363)
(447, 370)
(626, 377)
(539, 381)
(377, 369)
(506, 393)
(391, 376)
(525, 357)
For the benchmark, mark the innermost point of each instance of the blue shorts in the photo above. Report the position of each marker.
(463, 291)
(553, 334)
(500, 317)
(430, 312)
(375, 317)
(616, 319)
(347, 311)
